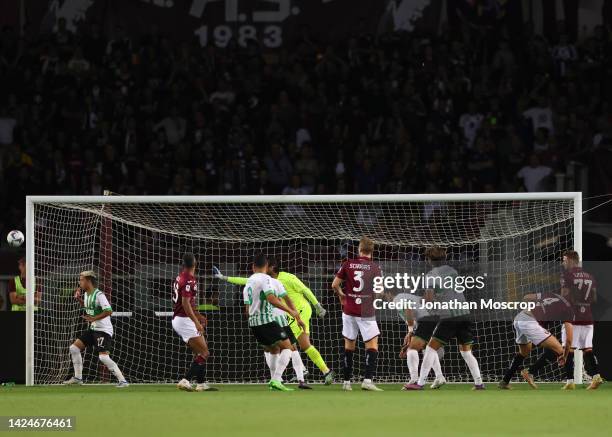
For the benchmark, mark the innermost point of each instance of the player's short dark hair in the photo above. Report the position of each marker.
(435, 254)
(260, 260)
(273, 264)
(571, 254)
(189, 260)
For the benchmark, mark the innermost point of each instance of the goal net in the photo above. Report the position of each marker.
(135, 245)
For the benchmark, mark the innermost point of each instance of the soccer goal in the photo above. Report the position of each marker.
(135, 244)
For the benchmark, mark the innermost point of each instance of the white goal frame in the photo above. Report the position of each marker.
(31, 201)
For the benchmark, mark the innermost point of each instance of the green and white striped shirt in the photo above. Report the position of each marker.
(96, 303)
(261, 312)
(280, 290)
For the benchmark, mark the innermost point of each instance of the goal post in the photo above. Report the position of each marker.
(514, 235)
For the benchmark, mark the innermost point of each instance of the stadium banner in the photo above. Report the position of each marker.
(274, 23)
(279, 23)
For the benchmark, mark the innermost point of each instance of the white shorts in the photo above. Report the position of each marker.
(353, 325)
(185, 327)
(528, 330)
(582, 338)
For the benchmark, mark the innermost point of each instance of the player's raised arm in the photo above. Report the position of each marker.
(236, 280)
(308, 294)
(78, 295)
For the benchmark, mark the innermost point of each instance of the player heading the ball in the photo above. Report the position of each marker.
(354, 285)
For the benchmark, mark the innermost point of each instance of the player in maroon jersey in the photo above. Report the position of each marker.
(187, 322)
(581, 288)
(529, 330)
(354, 286)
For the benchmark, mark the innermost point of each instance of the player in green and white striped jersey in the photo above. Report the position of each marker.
(100, 332)
(296, 360)
(260, 298)
(302, 297)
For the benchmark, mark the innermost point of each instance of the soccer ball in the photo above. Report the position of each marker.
(15, 238)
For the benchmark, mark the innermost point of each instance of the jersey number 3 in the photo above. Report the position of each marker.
(175, 292)
(358, 279)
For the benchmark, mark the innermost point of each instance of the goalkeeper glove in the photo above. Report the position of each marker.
(217, 273)
(320, 310)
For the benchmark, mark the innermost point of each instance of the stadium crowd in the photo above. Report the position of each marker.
(398, 113)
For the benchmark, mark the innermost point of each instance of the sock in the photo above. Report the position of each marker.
(269, 362)
(200, 372)
(281, 364)
(348, 364)
(517, 362)
(428, 359)
(437, 368)
(472, 363)
(197, 370)
(441, 353)
(412, 358)
(77, 361)
(298, 365)
(112, 366)
(317, 359)
(370, 363)
(590, 363)
(546, 357)
(569, 367)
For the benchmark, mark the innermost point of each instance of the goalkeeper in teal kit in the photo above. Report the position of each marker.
(302, 297)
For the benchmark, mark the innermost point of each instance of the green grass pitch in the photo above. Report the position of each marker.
(253, 410)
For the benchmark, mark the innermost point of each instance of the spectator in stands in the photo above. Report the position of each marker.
(470, 124)
(534, 176)
(174, 126)
(278, 167)
(540, 115)
(83, 110)
(7, 126)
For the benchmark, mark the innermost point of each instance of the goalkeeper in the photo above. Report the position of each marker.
(300, 295)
